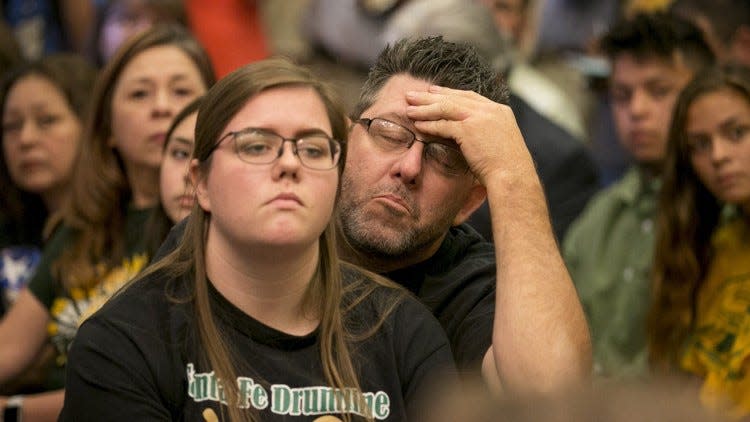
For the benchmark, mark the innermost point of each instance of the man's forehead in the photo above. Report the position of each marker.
(650, 63)
(396, 87)
(390, 104)
(390, 101)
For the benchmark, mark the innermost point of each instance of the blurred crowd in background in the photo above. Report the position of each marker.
(641, 230)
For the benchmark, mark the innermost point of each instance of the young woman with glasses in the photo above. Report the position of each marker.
(253, 316)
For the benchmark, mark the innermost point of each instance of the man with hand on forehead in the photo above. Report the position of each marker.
(431, 140)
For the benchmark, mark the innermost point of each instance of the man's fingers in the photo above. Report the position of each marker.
(445, 103)
(440, 128)
(437, 89)
(463, 98)
(432, 111)
(436, 108)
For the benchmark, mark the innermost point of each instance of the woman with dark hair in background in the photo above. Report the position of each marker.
(699, 321)
(43, 105)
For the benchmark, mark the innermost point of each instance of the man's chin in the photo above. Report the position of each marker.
(647, 155)
(378, 240)
(376, 218)
(650, 162)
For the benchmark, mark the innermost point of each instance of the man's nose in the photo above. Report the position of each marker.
(408, 167)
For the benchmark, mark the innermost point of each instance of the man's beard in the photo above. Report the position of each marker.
(363, 233)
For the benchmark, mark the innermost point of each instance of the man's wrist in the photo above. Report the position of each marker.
(12, 409)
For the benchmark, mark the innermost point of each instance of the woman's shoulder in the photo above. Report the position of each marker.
(22, 226)
(733, 232)
(148, 301)
(44, 283)
(60, 238)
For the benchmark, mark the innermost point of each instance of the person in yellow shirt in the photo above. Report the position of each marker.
(699, 321)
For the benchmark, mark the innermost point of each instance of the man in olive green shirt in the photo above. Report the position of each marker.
(609, 248)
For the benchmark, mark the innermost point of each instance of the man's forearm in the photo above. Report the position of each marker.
(540, 337)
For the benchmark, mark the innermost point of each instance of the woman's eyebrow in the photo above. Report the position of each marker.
(186, 141)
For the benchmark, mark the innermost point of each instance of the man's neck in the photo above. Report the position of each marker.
(650, 171)
(381, 264)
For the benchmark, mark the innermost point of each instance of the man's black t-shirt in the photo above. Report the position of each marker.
(457, 284)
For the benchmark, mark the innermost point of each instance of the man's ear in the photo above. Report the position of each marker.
(477, 195)
(198, 179)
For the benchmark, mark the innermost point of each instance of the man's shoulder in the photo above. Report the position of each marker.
(463, 263)
(465, 258)
(464, 242)
(463, 254)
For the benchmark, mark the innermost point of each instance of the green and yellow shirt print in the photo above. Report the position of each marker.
(69, 307)
(718, 350)
(77, 304)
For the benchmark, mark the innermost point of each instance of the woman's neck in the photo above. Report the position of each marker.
(267, 283)
(54, 198)
(144, 185)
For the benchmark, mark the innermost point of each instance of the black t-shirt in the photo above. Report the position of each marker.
(457, 284)
(68, 307)
(138, 359)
